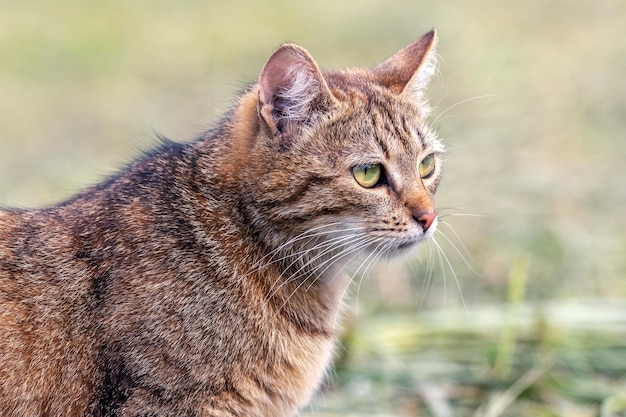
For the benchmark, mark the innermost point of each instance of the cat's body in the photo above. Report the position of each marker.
(206, 278)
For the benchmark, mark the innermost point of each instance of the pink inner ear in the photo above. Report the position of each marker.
(289, 83)
(288, 64)
(273, 78)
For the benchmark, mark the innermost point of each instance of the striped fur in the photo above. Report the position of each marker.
(205, 279)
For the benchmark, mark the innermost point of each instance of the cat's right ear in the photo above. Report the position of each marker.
(409, 70)
(291, 90)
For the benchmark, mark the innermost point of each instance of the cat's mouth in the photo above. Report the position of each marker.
(407, 245)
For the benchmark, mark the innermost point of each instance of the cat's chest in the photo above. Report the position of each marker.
(300, 362)
(292, 361)
(290, 347)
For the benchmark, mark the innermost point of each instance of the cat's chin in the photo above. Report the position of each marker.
(406, 248)
(402, 247)
(410, 245)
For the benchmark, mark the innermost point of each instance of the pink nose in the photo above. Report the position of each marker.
(426, 220)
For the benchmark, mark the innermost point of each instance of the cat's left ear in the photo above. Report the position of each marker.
(291, 91)
(409, 70)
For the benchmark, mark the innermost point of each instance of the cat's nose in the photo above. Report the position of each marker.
(426, 219)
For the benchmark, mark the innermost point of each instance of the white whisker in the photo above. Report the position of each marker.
(458, 284)
(430, 268)
(311, 273)
(458, 238)
(300, 254)
(376, 255)
(442, 97)
(467, 263)
(457, 213)
(353, 249)
(323, 248)
(461, 215)
(352, 278)
(307, 235)
(458, 103)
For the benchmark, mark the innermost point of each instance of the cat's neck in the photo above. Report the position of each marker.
(292, 278)
(297, 282)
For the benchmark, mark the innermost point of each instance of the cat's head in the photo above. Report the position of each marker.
(344, 160)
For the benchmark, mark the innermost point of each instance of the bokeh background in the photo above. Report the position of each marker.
(522, 311)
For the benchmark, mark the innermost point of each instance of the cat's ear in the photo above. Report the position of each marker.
(409, 70)
(291, 90)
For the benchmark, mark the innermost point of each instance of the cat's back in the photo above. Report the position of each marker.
(39, 347)
(31, 242)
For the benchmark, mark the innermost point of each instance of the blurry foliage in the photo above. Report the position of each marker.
(444, 363)
(530, 100)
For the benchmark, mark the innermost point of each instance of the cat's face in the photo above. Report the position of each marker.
(388, 161)
(348, 164)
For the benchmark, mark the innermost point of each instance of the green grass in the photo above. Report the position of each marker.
(527, 319)
(563, 359)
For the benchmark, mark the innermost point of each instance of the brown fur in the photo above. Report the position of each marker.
(205, 279)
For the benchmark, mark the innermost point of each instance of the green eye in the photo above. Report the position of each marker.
(427, 166)
(367, 175)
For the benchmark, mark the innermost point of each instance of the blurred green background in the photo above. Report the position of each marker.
(526, 313)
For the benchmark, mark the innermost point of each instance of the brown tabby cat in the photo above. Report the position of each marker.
(205, 279)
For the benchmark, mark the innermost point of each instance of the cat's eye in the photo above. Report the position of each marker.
(427, 166)
(368, 175)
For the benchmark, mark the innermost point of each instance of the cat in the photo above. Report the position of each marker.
(205, 278)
